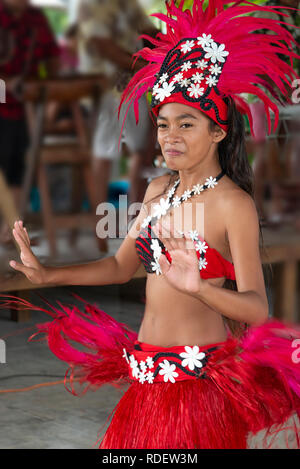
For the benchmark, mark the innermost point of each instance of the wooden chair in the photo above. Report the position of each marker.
(74, 150)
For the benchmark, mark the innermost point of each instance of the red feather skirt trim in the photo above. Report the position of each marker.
(245, 385)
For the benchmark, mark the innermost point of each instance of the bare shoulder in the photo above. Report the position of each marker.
(237, 205)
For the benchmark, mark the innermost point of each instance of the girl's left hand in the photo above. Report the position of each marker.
(183, 273)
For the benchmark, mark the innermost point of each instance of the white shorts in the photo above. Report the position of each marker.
(108, 128)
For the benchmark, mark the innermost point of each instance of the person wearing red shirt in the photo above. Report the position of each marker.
(26, 41)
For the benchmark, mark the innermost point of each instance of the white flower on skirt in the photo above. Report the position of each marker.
(142, 377)
(133, 361)
(143, 366)
(161, 208)
(168, 370)
(150, 377)
(150, 362)
(191, 357)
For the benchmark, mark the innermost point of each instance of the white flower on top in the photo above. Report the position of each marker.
(155, 88)
(194, 235)
(215, 52)
(163, 78)
(211, 182)
(187, 46)
(215, 69)
(211, 81)
(165, 91)
(156, 248)
(202, 263)
(156, 267)
(171, 192)
(161, 208)
(176, 201)
(178, 77)
(201, 246)
(191, 357)
(204, 40)
(142, 377)
(195, 90)
(202, 64)
(150, 362)
(185, 82)
(187, 194)
(146, 221)
(197, 77)
(186, 66)
(198, 188)
(168, 370)
(150, 377)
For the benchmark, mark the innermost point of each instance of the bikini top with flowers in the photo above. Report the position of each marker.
(149, 248)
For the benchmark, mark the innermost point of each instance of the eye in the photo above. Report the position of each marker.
(161, 126)
(186, 125)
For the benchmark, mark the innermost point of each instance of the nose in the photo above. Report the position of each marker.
(171, 134)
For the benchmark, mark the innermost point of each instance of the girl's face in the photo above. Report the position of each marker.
(184, 135)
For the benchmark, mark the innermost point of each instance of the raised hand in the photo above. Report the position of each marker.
(183, 273)
(31, 267)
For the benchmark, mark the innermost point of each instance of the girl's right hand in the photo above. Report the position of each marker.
(31, 267)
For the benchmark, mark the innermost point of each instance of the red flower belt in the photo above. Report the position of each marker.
(151, 364)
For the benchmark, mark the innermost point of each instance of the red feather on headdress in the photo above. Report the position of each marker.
(255, 63)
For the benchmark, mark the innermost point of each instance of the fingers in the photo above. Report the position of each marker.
(20, 267)
(172, 239)
(21, 235)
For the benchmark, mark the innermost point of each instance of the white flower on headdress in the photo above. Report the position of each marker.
(156, 248)
(201, 247)
(155, 88)
(215, 69)
(161, 208)
(156, 267)
(150, 362)
(187, 194)
(187, 46)
(197, 77)
(176, 201)
(191, 357)
(185, 82)
(186, 66)
(211, 182)
(178, 77)
(150, 377)
(195, 90)
(201, 64)
(215, 52)
(198, 188)
(211, 81)
(168, 371)
(165, 91)
(146, 221)
(163, 77)
(204, 40)
(202, 263)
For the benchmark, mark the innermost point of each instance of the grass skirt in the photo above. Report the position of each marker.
(250, 384)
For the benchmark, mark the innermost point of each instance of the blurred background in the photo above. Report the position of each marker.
(63, 66)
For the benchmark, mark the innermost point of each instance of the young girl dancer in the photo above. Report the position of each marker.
(207, 368)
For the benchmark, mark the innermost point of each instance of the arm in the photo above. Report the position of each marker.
(249, 303)
(116, 269)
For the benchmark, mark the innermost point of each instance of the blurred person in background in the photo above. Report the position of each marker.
(26, 43)
(108, 36)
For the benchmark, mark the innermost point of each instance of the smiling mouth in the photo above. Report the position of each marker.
(173, 152)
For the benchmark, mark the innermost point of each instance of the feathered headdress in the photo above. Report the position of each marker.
(208, 55)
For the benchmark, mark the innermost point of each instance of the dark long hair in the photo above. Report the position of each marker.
(234, 161)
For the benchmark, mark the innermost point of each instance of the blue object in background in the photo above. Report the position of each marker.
(35, 201)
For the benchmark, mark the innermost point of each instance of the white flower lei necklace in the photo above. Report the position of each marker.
(165, 204)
